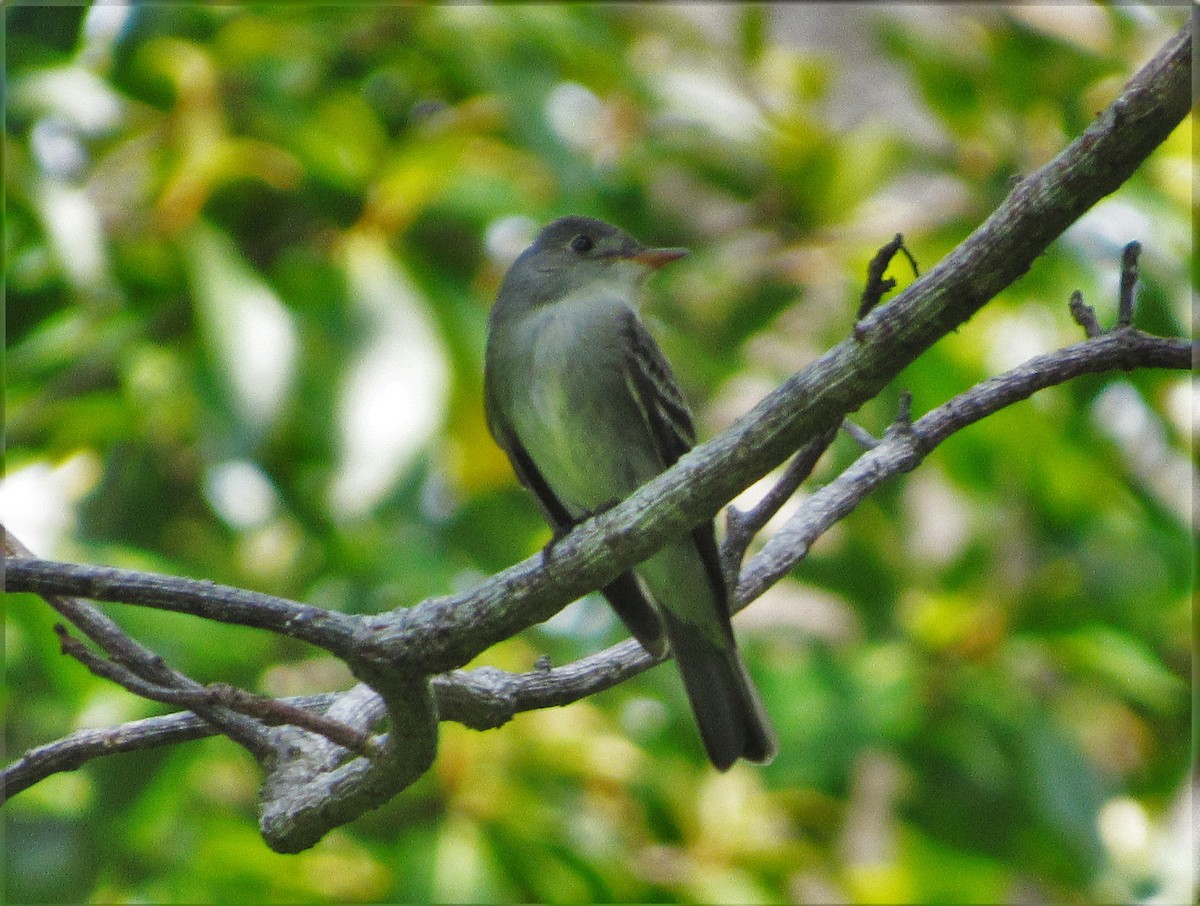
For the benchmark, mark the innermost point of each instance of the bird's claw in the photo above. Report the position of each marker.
(560, 533)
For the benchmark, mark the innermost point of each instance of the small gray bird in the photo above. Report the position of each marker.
(586, 407)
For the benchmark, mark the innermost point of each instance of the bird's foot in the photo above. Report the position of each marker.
(548, 550)
(604, 507)
(560, 533)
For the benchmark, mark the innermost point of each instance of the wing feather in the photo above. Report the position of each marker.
(652, 385)
(527, 471)
(669, 421)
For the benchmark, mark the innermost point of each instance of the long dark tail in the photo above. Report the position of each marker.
(629, 601)
(728, 710)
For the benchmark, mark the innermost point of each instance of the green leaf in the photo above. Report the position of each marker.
(753, 25)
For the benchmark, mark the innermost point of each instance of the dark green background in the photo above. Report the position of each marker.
(975, 673)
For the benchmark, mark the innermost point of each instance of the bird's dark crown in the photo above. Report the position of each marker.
(584, 235)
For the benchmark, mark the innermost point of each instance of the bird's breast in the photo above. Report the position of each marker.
(571, 405)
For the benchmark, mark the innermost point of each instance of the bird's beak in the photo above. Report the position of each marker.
(656, 258)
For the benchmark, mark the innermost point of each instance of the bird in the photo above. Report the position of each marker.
(582, 400)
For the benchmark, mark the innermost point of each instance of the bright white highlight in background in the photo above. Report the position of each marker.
(711, 101)
(1121, 413)
(573, 113)
(507, 237)
(249, 330)
(395, 394)
(240, 493)
(37, 502)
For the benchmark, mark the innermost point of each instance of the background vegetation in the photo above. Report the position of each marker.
(250, 254)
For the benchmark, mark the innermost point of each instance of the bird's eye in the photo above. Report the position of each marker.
(582, 243)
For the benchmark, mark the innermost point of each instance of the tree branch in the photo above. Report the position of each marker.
(444, 633)
(903, 449)
(1084, 315)
(269, 710)
(335, 632)
(741, 527)
(877, 285)
(1129, 276)
(487, 697)
(143, 662)
(72, 752)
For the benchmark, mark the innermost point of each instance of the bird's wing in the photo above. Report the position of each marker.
(527, 472)
(652, 385)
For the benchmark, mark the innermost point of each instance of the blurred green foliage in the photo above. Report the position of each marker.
(250, 253)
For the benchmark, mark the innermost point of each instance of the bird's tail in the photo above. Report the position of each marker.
(728, 710)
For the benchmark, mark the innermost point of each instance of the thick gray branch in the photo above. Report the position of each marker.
(444, 633)
(487, 697)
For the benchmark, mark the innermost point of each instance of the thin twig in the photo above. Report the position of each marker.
(903, 420)
(269, 710)
(1084, 315)
(274, 712)
(741, 526)
(861, 435)
(118, 673)
(142, 661)
(876, 285)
